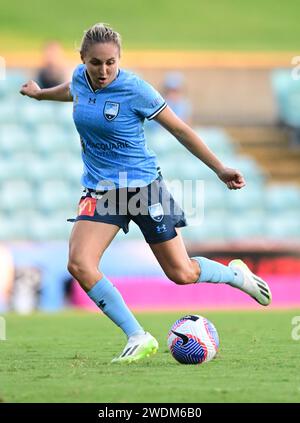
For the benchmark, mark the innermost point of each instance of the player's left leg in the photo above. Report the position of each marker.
(88, 242)
(180, 268)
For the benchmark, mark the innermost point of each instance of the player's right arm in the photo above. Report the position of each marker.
(59, 93)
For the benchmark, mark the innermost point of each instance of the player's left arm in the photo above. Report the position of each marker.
(187, 137)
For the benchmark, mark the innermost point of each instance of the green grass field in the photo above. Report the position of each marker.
(164, 24)
(66, 358)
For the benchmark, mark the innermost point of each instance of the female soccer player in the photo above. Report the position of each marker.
(122, 182)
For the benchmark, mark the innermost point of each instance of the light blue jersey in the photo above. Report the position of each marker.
(110, 122)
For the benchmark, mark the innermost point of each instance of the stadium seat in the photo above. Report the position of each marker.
(287, 93)
(245, 226)
(16, 195)
(45, 228)
(191, 199)
(8, 111)
(18, 168)
(184, 167)
(165, 144)
(280, 81)
(5, 169)
(55, 195)
(162, 142)
(12, 83)
(63, 167)
(249, 198)
(63, 115)
(6, 233)
(14, 227)
(285, 226)
(292, 112)
(198, 195)
(32, 112)
(51, 139)
(212, 228)
(215, 195)
(3, 90)
(281, 198)
(14, 139)
(248, 167)
(217, 140)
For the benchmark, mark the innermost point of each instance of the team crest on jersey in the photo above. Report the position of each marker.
(156, 212)
(111, 110)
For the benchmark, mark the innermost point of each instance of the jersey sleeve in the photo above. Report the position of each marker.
(71, 88)
(75, 77)
(148, 102)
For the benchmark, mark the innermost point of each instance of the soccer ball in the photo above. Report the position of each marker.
(193, 340)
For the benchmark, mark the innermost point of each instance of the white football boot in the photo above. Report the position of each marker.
(138, 347)
(252, 284)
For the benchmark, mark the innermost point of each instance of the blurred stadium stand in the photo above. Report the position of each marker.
(287, 93)
(40, 169)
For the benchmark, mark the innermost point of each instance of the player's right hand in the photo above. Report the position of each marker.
(232, 178)
(31, 89)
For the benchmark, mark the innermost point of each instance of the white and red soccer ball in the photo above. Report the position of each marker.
(193, 339)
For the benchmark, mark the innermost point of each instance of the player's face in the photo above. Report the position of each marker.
(102, 63)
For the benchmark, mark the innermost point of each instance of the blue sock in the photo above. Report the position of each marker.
(214, 272)
(106, 296)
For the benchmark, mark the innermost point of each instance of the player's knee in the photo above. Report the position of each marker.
(77, 268)
(181, 276)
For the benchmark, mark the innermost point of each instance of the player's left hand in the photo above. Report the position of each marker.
(232, 178)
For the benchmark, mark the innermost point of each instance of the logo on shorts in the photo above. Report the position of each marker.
(87, 206)
(161, 229)
(111, 110)
(156, 212)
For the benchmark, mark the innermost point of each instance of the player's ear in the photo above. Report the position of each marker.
(82, 58)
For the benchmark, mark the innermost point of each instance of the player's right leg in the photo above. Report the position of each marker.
(252, 284)
(174, 260)
(88, 241)
(160, 227)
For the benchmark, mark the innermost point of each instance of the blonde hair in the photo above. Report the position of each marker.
(99, 33)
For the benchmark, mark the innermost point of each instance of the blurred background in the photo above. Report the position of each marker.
(229, 69)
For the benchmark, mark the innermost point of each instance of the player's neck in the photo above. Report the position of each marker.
(98, 88)
(91, 82)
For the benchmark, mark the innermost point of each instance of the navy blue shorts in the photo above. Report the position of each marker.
(151, 207)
